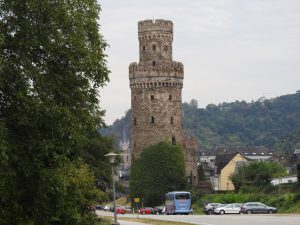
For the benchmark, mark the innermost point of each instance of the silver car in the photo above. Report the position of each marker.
(228, 209)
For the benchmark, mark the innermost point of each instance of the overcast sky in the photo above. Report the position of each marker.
(231, 49)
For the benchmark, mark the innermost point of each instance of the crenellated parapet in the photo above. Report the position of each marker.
(155, 25)
(160, 69)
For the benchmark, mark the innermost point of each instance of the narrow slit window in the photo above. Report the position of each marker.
(154, 48)
(152, 97)
(144, 48)
(152, 119)
(172, 120)
(134, 121)
(170, 97)
(153, 63)
(173, 140)
(165, 48)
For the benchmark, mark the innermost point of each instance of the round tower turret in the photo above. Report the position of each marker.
(155, 40)
(156, 83)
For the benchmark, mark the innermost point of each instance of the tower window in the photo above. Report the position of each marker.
(170, 97)
(144, 48)
(173, 140)
(152, 97)
(134, 121)
(153, 63)
(165, 48)
(152, 119)
(172, 120)
(154, 48)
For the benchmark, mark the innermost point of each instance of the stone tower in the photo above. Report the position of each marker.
(156, 82)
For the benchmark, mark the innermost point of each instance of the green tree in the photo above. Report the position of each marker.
(298, 173)
(51, 67)
(159, 169)
(201, 175)
(257, 174)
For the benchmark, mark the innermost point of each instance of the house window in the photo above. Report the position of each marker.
(173, 140)
(170, 97)
(153, 63)
(154, 48)
(172, 119)
(152, 97)
(152, 119)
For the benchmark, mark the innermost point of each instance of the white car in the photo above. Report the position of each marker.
(228, 209)
(107, 207)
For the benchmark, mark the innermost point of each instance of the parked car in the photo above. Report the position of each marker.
(112, 207)
(128, 209)
(158, 210)
(120, 210)
(146, 210)
(99, 207)
(228, 209)
(257, 207)
(107, 207)
(209, 208)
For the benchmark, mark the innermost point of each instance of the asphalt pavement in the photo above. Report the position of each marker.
(253, 219)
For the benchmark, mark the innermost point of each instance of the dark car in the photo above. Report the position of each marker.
(146, 210)
(158, 210)
(209, 208)
(257, 207)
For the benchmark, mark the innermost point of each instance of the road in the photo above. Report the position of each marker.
(258, 219)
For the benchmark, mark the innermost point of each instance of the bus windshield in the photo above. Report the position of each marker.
(182, 196)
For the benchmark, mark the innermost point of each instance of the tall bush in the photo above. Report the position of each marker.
(159, 169)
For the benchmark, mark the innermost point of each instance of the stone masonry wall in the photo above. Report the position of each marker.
(156, 83)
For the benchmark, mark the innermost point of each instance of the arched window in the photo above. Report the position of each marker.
(154, 48)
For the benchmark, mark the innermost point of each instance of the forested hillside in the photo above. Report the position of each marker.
(238, 123)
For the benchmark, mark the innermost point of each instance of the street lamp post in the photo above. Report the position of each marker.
(112, 157)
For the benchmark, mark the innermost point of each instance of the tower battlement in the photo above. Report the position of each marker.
(161, 69)
(155, 25)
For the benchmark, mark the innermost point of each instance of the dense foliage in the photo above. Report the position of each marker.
(257, 174)
(51, 67)
(298, 173)
(241, 123)
(238, 123)
(160, 169)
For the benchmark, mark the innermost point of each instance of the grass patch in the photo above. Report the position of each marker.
(156, 222)
(103, 221)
